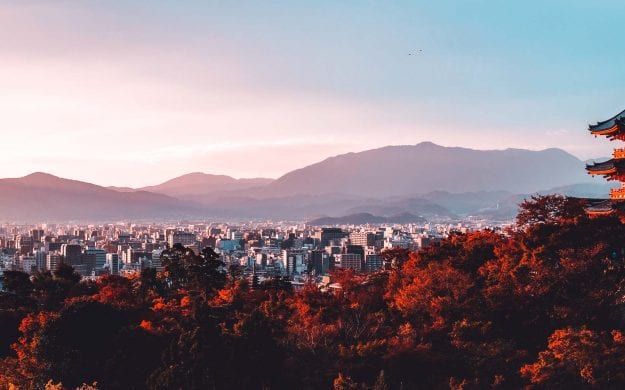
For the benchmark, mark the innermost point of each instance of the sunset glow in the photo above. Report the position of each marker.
(158, 89)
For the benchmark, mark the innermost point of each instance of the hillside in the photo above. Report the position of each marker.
(424, 180)
(199, 184)
(366, 218)
(426, 167)
(41, 197)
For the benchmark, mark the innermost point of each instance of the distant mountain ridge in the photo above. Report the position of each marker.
(366, 218)
(424, 180)
(427, 167)
(43, 197)
(198, 183)
(399, 171)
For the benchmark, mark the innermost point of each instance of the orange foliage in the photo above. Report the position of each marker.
(578, 357)
(429, 292)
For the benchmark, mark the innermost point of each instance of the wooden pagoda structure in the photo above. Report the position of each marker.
(613, 169)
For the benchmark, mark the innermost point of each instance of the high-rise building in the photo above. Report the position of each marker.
(71, 254)
(156, 260)
(325, 235)
(100, 257)
(53, 246)
(40, 256)
(53, 260)
(319, 262)
(362, 238)
(294, 261)
(373, 262)
(112, 261)
(28, 263)
(349, 261)
(24, 244)
(37, 234)
(183, 238)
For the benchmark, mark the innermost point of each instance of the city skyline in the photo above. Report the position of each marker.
(134, 94)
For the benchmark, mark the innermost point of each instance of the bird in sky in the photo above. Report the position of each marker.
(420, 50)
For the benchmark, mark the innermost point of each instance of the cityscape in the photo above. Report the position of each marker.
(299, 253)
(280, 195)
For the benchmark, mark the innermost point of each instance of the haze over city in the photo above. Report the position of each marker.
(135, 93)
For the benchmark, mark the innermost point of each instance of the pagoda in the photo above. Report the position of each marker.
(613, 169)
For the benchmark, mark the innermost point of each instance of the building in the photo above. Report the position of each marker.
(37, 234)
(87, 263)
(24, 244)
(53, 260)
(28, 263)
(362, 238)
(612, 169)
(156, 260)
(112, 262)
(355, 249)
(71, 254)
(319, 262)
(40, 256)
(349, 261)
(183, 238)
(99, 257)
(294, 261)
(325, 235)
(373, 262)
(228, 245)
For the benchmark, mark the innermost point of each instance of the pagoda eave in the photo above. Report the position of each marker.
(610, 169)
(599, 213)
(609, 131)
(611, 127)
(599, 207)
(606, 172)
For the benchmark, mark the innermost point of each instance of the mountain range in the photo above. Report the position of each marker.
(423, 180)
(367, 218)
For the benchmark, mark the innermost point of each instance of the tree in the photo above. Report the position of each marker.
(342, 382)
(380, 382)
(16, 282)
(96, 341)
(577, 358)
(184, 269)
(549, 209)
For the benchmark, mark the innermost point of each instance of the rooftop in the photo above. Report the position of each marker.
(609, 125)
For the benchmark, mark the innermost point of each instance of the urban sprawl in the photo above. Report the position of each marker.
(298, 253)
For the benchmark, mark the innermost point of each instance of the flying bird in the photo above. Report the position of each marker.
(420, 50)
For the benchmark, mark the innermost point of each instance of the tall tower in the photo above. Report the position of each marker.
(613, 169)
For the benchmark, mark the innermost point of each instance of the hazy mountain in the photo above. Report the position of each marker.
(473, 202)
(397, 205)
(41, 197)
(294, 207)
(495, 204)
(426, 167)
(585, 190)
(200, 184)
(423, 180)
(122, 189)
(366, 218)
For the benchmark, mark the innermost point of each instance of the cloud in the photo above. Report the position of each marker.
(557, 132)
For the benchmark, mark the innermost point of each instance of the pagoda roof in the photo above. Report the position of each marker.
(600, 207)
(604, 168)
(608, 126)
(604, 206)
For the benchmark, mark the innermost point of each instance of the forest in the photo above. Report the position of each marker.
(539, 306)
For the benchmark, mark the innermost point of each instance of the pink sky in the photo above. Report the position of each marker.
(130, 97)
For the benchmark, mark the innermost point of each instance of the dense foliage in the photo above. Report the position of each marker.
(541, 306)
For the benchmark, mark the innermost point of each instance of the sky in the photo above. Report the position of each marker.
(133, 93)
